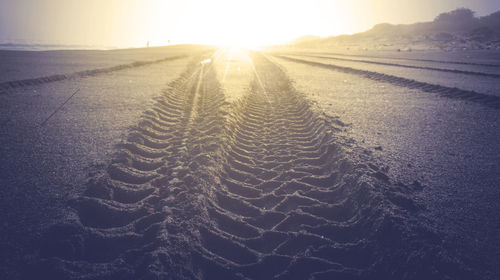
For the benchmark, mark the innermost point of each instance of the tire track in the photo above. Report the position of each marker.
(9, 85)
(142, 208)
(410, 59)
(456, 93)
(289, 204)
(255, 190)
(492, 75)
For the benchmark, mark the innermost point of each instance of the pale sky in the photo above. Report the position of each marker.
(126, 23)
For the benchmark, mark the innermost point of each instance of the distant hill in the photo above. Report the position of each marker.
(306, 38)
(455, 30)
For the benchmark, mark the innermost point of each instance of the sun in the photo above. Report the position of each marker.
(234, 23)
(231, 23)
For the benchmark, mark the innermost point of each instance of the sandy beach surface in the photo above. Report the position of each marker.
(189, 162)
(46, 160)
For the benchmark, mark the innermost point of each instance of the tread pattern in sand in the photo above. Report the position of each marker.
(289, 206)
(258, 189)
(127, 220)
(10, 85)
(456, 71)
(491, 101)
(492, 65)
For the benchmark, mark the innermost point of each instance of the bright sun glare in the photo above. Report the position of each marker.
(235, 23)
(229, 23)
(241, 23)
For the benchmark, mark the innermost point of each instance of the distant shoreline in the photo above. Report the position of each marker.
(51, 47)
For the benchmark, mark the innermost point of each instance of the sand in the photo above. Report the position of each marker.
(22, 65)
(449, 146)
(44, 163)
(244, 165)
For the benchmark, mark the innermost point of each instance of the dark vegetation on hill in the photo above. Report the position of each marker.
(459, 29)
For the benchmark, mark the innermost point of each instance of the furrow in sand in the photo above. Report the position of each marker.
(289, 202)
(274, 212)
(9, 85)
(398, 58)
(128, 209)
(483, 74)
(491, 101)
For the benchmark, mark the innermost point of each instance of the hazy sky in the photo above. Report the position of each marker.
(133, 22)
